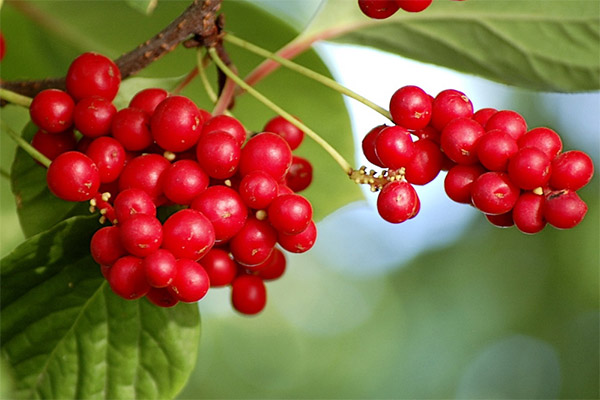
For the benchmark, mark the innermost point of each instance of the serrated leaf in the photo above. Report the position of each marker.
(66, 335)
(144, 6)
(551, 45)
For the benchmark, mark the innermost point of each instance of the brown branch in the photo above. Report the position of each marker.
(198, 20)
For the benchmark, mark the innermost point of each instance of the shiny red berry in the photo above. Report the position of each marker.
(571, 170)
(248, 294)
(92, 74)
(73, 176)
(397, 202)
(191, 282)
(410, 107)
(176, 124)
(188, 234)
(52, 110)
(291, 133)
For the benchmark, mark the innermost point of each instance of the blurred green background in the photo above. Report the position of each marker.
(483, 313)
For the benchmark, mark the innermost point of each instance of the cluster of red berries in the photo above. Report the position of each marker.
(513, 175)
(232, 199)
(381, 9)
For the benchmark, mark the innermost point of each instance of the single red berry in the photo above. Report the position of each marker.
(459, 140)
(501, 220)
(131, 127)
(133, 201)
(225, 123)
(459, 180)
(148, 99)
(483, 114)
(188, 234)
(571, 170)
(73, 176)
(494, 193)
(410, 107)
(267, 152)
(414, 5)
(368, 146)
(528, 213)
(220, 267)
(109, 156)
(93, 116)
(544, 139)
(160, 268)
(300, 242)
(394, 147)
(281, 126)
(495, 148)
(397, 202)
(141, 234)
(508, 121)
(92, 74)
(191, 282)
(225, 210)
(248, 294)
(254, 243)
(300, 174)
(290, 213)
(258, 189)
(273, 268)
(176, 124)
(54, 144)
(183, 181)
(145, 172)
(529, 168)
(448, 105)
(564, 209)
(218, 154)
(426, 164)
(52, 110)
(161, 297)
(106, 247)
(378, 9)
(127, 278)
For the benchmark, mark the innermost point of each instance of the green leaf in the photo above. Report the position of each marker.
(130, 86)
(551, 45)
(66, 335)
(144, 6)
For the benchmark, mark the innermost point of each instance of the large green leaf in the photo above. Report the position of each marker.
(66, 335)
(543, 45)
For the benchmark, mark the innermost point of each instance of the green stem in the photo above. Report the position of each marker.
(212, 95)
(306, 72)
(15, 98)
(29, 149)
(4, 174)
(294, 121)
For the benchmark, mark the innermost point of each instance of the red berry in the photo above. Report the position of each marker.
(109, 156)
(254, 243)
(141, 234)
(183, 181)
(368, 146)
(459, 140)
(301, 242)
(274, 267)
(218, 154)
(258, 189)
(564, 209)
(224, 209)
(191, 282)
(54, 144)
(528, 213)
(160, 268)
(176, 124)
(397, 202)
(188, 234)
(448, 105)
(93, 116)
(281, 126)
(73, 176)
(530, 168)
(571, 170)
(394, 147)
(482, 115)
(93, 74)
(501, 220)
(378, 9)
(144, 172)
(495, 148)
(52, 110)
(290, 213)
(414, 5)
(133, 201)
(131, 127)
(106, 247)
(459, 180)
(127, 278)
(426, 164)
(220, 267)
(248, 294)
(410, 107)
(161, 297)
(544, 139)
(267, 152)
(494, 193)
(225, 123)
(147, 99)
(508, 121)
(300, 174)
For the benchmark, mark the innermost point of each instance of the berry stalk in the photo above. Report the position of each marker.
(33, 152)
(260, 97)
(15, 98)
(306, 72)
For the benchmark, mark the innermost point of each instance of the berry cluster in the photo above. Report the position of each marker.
(381, 9)
(513, 175)
(230, 199)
